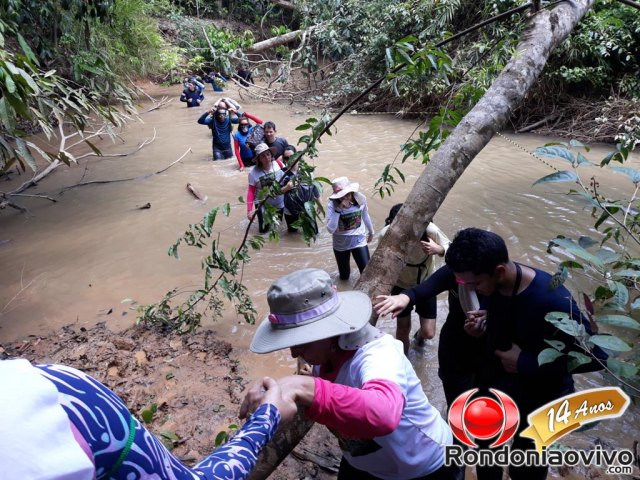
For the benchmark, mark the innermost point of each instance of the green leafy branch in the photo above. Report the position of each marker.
(223, 269)
(610, 265)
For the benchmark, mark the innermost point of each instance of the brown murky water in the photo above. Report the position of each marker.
(78, 259)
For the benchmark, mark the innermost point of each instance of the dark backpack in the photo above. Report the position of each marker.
(295, 199)
(255, 136)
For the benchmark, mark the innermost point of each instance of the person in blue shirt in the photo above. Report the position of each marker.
(211, 78)
(220, 121)
(244, 154)
(84, 430)
(192, 95)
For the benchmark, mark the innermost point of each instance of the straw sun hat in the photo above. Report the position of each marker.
(341, 186)
(305, 307)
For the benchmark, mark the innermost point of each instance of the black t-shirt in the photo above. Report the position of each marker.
(520, 319)
(458, 352)
(280, 144)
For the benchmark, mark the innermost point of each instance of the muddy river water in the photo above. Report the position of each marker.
(77, 260)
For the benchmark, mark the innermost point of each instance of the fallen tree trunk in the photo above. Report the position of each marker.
(274, 42)
(547, 30)
(287, 437)
(284, 4)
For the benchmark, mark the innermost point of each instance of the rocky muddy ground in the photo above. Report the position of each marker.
(188, 388)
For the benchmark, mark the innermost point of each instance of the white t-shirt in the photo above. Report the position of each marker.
(349, 226)
(261, 179)
(416, 447)
(36, 441)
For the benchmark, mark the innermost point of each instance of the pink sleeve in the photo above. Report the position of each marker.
(251, 196)
(371, 411)
(253, 117)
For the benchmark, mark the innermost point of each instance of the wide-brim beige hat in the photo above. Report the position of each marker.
(305, 307)
(341, 186)
(261, 148)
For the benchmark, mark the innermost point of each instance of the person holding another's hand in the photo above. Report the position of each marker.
(363, 387)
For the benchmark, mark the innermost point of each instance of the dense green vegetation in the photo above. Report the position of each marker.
(63, 62)
(601, 59)
(93, 48)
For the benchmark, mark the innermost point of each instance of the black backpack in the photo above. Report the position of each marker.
(256, 136)
(295, 199)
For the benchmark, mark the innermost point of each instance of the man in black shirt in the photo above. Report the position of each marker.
(517, 298)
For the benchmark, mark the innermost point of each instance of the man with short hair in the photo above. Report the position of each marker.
(517, 299)
(192, 95)
(277, 144)
(512, 329)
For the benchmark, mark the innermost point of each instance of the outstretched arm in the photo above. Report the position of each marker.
(371, 411)
(253, 117)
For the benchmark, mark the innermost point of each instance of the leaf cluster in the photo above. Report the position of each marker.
(222, 268)
(610, 264)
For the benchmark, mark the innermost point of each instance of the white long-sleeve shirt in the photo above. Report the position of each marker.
(349, 226)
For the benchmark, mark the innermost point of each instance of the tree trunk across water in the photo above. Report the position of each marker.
(547, 30)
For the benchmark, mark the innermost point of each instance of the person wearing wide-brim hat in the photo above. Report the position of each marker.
(349, 221)
(265, 172)
(364, 388)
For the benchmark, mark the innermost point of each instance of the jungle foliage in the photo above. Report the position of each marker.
(62, 63)
(602, 56)
(609, 263)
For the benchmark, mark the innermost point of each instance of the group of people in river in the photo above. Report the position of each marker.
(65, 424)
(362, 385)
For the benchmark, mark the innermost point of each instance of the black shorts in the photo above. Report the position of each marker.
(426, 308)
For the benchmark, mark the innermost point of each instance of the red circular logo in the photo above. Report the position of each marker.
(484, 418)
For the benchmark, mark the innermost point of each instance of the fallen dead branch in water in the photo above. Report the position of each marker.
(7, 203)
(194, 191)
(7, 195)
(144, 143)
(118, 180)
(156, 103)
(23, 288)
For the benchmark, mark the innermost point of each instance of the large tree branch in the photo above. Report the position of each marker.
(274, 42)
(547, 30)
(284, 4)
